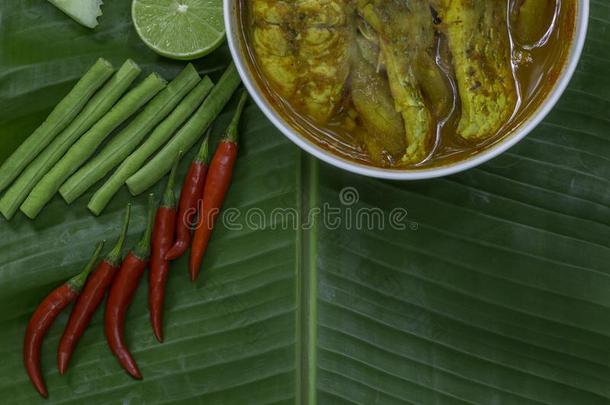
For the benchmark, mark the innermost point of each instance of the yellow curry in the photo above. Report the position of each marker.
(407, 83)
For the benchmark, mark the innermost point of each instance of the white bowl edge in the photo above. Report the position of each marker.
(580, 34)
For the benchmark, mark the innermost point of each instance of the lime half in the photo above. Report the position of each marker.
(179, 29)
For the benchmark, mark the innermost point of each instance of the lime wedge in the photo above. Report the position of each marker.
(179, 29)
(84, 12)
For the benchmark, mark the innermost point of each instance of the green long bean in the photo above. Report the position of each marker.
(158, 138)
(95, 109)
(129, 138)
(56, 121)
(42, 193)
(188, 135)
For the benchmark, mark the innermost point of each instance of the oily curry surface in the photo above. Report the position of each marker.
(406, 83)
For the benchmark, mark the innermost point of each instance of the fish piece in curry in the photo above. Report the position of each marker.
(274, 42)
(406, 38)
(324, 34)
(479, 43)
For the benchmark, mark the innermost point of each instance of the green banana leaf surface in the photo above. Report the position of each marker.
(488, 287)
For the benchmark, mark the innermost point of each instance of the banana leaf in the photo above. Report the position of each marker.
(492, 288)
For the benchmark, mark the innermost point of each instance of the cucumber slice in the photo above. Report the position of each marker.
(84, 12)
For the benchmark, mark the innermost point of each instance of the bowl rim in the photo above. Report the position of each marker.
(567, 72)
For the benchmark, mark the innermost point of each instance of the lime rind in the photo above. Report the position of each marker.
(85, 12)
(179, 29)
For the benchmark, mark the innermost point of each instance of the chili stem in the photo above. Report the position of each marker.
(88, 143)
(157, 138)
(58, 119)
(169, 197)
(142, 249)
(129, 138)
(95, 109)
(203, 156)
(188, 135)
(232, 131)
(77, 282)
(115, 255)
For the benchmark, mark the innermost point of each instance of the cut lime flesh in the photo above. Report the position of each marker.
(179, 29)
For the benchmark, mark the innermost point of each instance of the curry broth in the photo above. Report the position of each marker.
(535, 72)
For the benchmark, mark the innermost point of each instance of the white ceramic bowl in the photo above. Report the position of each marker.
(239, 56)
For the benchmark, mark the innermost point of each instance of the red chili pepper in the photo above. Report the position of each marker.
(162, 240)
(121, 294)
(215, 189)
(91, 298)
(192, 190)
(43, 318)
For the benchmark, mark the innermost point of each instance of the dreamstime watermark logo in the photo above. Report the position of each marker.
(349, 214)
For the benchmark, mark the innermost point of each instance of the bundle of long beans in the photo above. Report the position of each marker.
(63, 154)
